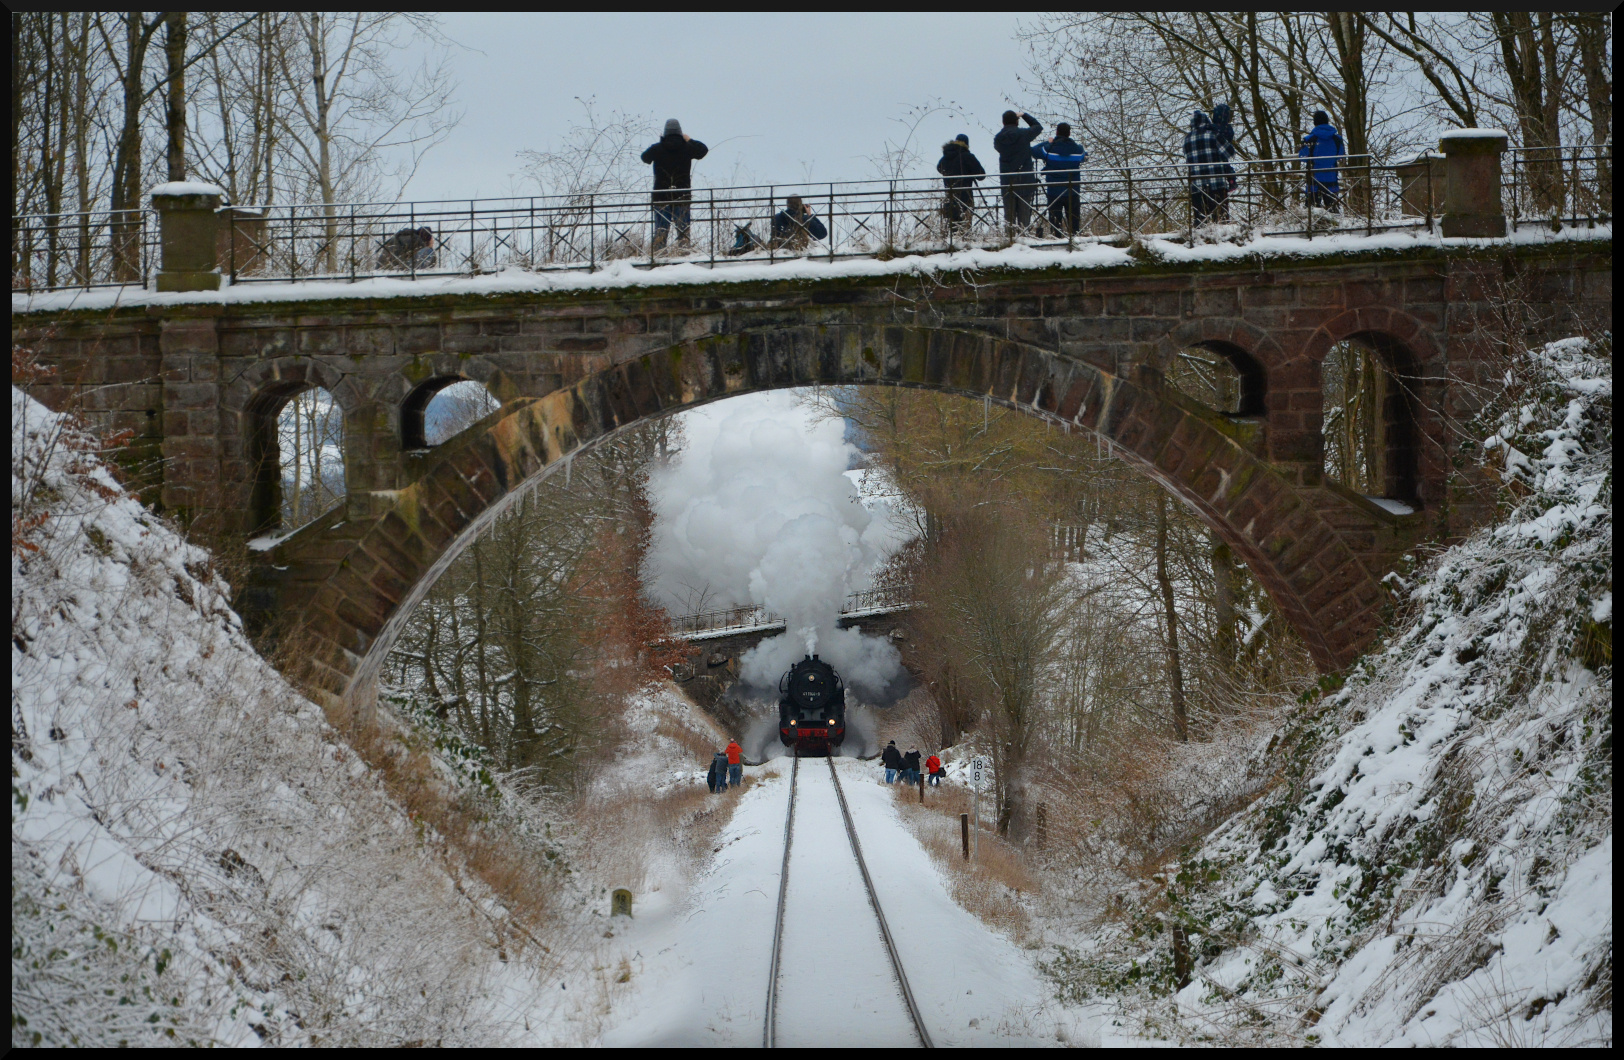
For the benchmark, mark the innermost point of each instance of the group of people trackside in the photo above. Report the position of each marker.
(726, 768)
(905, 768)
(1208, 150)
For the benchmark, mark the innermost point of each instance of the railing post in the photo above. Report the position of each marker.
(831, 221)
(1473, 205)
(188, 233)
(591, 233)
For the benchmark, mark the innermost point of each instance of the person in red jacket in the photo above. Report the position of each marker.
(933, 767)
(735, 767)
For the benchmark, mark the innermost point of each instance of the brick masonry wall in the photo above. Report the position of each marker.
(198, 383)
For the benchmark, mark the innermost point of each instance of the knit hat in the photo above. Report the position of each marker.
(673, 127)
(963, 138)
(1321, 118)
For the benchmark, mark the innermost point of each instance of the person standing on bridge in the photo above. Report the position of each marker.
(1062, 159)
(719, 767)
(735, 764)
(1208, 159)
(1014, 146)
(891, 759)
(1323, 149)
(960, 170)
(933, 769)
(673, 158)
(910, 766)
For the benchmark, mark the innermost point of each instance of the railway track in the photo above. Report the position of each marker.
(770, 1032)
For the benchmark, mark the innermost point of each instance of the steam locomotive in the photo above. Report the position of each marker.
(811, 708)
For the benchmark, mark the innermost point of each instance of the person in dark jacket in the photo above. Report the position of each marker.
(1209, 168)
(795, 225)
(409, 248)
(891, 759)
(719, 767)
(910, 766)
(1324, 151)
(1014, 147)
(1062, 159)
(710, 777)
(673, 158)
(960, 170)
(1223, 125)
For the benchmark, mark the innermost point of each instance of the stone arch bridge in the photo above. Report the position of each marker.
(200, 379)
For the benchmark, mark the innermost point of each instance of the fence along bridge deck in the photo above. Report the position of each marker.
(730, 621)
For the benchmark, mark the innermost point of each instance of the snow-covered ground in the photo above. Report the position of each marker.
(699, 966)
(196, 855)
(1434, 866)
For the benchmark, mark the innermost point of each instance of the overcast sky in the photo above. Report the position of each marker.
(776, 97)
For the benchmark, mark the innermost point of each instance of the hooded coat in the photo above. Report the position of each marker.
(673, 158)
(1223, 125)
(891, 758)
(911, 761)
(960, 168)
(1324, 150)
(1207, 158)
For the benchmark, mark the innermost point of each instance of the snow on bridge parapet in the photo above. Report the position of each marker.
(629, 274)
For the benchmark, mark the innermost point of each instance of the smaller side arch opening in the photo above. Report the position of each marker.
(439, 408)
(298, 440)
(1223, 377)
(1368, 419)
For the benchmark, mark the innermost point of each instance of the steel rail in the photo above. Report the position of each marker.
(769, 1033)
(879, 914)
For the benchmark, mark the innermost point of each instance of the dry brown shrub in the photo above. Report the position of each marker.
(991, 886)
(519, 876)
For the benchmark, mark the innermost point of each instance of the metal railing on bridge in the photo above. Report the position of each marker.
(728, 620)
(874, 218)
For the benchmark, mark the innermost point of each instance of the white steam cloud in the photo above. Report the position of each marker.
(757, 509)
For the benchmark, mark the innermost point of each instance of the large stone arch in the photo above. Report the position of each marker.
(358, 604)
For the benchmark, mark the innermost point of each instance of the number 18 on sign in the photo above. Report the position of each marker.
(978, 766)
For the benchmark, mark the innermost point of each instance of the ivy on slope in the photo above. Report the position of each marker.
(1434, 864)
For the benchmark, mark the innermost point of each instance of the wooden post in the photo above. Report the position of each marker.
(964, 833)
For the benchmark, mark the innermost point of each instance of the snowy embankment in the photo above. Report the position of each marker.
(196, 855)
(1436, 866)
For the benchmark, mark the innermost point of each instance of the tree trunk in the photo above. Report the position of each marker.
(1224, 580)
(126, 191)
(175, 101)
(1175, 665)
(16, 120)
(1592, 29)
(1348, 33)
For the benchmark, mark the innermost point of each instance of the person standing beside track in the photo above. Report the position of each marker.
(910, 766)
(719, 765)
(891, 759)
(735, 767)
(933, 770)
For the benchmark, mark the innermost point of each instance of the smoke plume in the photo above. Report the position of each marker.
(757, 509)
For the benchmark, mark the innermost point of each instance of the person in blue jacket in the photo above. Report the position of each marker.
(1062, 159)
(795, 226)
(1014, 147)
(1324, 151)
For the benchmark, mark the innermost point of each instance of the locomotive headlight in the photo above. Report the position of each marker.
(792, 723)
(831, 721)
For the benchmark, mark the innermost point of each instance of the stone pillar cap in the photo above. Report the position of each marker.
(1473, 141)
(177, 189)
